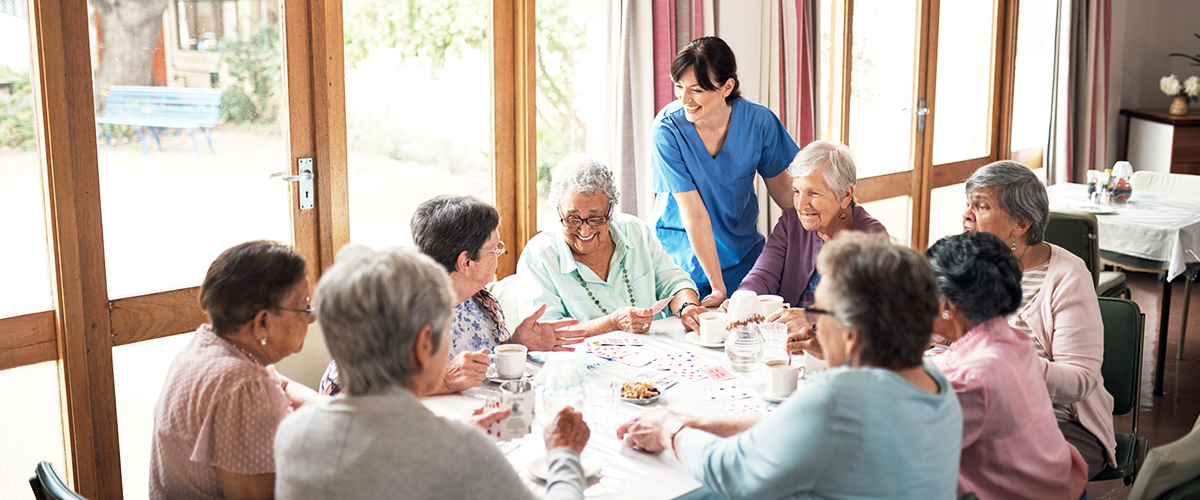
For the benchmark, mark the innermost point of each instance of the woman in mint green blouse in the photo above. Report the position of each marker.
(604, 269)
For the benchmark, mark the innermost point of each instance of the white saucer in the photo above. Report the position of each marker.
(694, 338)
(641, 401)
(537, 468)
(530, 371)
(760, 390)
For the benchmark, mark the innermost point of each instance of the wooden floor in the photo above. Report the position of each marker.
(1163, 418)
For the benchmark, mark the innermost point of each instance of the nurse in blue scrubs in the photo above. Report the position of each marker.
(708, 144)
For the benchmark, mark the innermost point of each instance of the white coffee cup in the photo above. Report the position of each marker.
(769, 304)
(712, 327)
(781, 378)
(510, 361)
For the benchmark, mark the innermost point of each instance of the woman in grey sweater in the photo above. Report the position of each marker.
(385, 315)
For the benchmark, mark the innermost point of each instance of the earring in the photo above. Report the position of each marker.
(1013, 247)
(262, 341)
(843, 217)
(945, 314)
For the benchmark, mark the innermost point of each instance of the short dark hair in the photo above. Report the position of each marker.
(977, 273)
(449, 225)
(709, 57)
(885, 291)
(246, 279)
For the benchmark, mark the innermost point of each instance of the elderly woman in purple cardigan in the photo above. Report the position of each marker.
(823, 177)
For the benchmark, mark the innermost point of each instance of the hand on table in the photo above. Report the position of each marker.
(485, 420)
(649, 431)
(567, 430)
(691, 318)
(468, 369)
(547, 336)
(716, 298)
(633, 319)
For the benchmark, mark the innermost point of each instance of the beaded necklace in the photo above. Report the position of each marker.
(628, 287)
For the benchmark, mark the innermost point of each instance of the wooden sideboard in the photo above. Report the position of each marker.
(1160, 142)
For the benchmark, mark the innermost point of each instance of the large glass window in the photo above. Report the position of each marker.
(418, 110)
(884, 62)
(572, 96)
(184, 169)
(24, 256)
(1033, 80)
(965, 51)
(30, 427)
(207, 25)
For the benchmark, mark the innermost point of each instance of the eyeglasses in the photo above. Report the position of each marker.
(499, 250)
(574, 222)
(310, 310)
(811, 313)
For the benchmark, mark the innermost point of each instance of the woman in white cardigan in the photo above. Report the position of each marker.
(1059, 309)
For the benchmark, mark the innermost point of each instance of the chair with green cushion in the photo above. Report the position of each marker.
(1180, 185)
(1076, 232)
(1171, 471)
(1124, 329)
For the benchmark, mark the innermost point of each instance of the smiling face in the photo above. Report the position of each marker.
(697, 102)
(585, 239)
(983, 213)
(816, 203)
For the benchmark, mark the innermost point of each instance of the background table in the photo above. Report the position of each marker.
(1153, 232)
(626, 473)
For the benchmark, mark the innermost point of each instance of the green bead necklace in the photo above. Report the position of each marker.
(628, 287)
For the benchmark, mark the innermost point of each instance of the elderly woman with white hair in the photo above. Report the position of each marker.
(1059, 312)
(385, 316)
(603, 269)
(823, 181)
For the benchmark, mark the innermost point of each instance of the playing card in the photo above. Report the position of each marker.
(688, 373)
(717, 372)
(725, 392)
(676, 360)
(611, 352)
(658, 306)
(747, 408)
(660, 380)
(615, 341)
(637, 359)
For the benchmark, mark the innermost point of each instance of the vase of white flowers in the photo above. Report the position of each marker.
(1189, 90)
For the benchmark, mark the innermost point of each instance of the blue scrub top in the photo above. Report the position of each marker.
(755, 143)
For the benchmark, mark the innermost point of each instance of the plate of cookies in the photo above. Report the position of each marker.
(639, 393)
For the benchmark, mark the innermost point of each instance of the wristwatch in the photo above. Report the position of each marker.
(685, 306)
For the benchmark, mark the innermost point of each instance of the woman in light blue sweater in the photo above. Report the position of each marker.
(879, 424)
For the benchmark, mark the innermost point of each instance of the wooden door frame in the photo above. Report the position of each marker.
(514, 125)
(85, 325)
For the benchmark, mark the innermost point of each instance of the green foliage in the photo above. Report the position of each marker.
(254, 65)
(432, 30)
(427, 30)
(18, 127)
(1195, 59)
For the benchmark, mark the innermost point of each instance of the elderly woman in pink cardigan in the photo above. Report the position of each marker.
(1059, 311)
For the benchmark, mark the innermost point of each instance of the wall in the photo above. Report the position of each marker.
(1144, 33)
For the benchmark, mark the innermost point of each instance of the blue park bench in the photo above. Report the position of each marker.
(157, 108)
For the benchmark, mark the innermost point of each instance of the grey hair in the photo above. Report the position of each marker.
(836, 160)
(886, 291)
(1019, 193)
(372, 305)
(582, 175)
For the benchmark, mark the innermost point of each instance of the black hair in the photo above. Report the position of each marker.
(977, 273)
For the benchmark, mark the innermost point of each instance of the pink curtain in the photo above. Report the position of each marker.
(676, 22)
(798, 98)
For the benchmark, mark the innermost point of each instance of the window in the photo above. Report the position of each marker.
(206, 25)
(418, 110)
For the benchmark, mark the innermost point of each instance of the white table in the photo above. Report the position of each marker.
(1162, 230)
(626, 473)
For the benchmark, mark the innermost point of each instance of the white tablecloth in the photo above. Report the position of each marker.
(1159, 227)
(626, 473)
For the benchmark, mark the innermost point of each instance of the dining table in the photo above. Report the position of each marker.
(1153, 232)
(623, 471)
